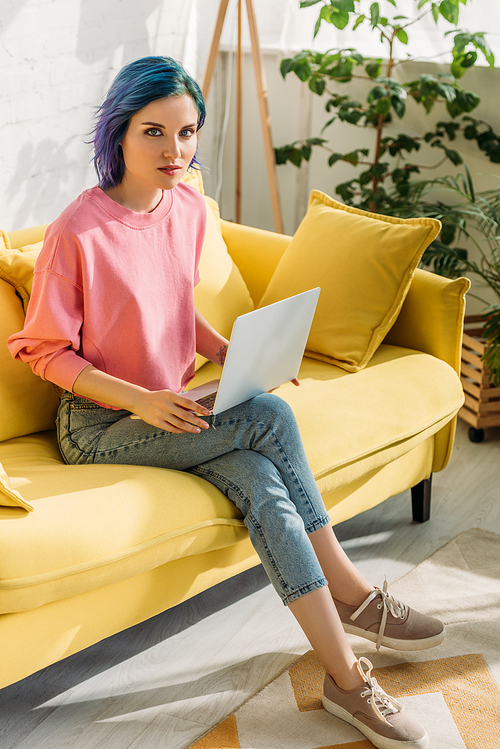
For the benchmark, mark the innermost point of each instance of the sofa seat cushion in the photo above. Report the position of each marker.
(352, 424)
(97, 524)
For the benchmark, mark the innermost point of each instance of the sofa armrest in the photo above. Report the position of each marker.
(431, 320)
(256, 252)
(432, 316)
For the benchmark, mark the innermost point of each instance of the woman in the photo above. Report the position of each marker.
(112, 322)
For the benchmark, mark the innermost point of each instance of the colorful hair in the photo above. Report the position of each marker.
(135, 86)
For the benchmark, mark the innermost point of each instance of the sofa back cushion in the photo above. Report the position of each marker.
(27, 403)
(222, 294)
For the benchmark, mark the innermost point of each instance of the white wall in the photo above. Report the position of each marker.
(57, 59)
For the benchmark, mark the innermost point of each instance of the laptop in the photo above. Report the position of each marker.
(265, 350)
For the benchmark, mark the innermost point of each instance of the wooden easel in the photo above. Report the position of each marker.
(261, 96)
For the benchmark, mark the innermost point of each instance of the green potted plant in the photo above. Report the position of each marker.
(385, 179)
(474, 217)
(386, 167)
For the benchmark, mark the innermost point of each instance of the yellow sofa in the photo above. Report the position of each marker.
(87, 551)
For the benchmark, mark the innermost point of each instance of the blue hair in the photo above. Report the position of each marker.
(135, 86)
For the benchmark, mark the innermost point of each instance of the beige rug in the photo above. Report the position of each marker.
(453, 689)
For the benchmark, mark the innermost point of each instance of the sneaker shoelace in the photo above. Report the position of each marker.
(385, 704)
(388, 604)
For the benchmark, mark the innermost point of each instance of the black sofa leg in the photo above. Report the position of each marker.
(421, 500)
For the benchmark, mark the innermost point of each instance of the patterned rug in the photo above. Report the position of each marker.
(453, 690)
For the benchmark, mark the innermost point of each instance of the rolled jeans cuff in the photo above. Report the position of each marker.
(305, 590)
(318, 524)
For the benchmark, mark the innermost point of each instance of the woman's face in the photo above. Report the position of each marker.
(160, 143)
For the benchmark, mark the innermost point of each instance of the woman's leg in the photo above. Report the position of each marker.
(264, 426)
(345, 581)
(370, 612)
(277, 532)
(320, 622)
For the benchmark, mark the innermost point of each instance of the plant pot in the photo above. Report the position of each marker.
(482, 400)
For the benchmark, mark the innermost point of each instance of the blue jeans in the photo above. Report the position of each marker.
(253, 453)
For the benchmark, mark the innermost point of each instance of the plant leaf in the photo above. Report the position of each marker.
(449, 10)
(359, 21)
(334, 158)
(491, 332)
(447, 90)
(316, 141)
(402, 36)
(365, 177)
(399, 106)
(374, 14)
(317, 86)
(339, 19)
(286, 66)
(373, 68)
(343, 5)
(295, 157)
(453, 156)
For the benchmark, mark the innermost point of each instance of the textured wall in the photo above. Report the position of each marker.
(57, 58)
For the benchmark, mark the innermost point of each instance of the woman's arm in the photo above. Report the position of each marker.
(160, 408)
(209, 343)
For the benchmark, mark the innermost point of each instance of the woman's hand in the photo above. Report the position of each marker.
(294, 382)
(170, 411)
(161, 408)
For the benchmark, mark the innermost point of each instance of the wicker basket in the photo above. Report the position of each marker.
(482, 401)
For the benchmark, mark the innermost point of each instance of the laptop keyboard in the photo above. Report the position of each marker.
(208, 401)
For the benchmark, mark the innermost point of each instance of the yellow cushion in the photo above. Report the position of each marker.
(222, 294)
(17, 266)
(256, 252)
(4, 240)
(363, 262)
(9, 496)
(27, 403)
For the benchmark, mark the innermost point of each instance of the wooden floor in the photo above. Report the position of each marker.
(164, 683)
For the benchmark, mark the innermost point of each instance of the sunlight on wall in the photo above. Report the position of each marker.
(57, 60)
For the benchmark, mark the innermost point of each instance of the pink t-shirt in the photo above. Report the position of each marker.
(115, 289)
